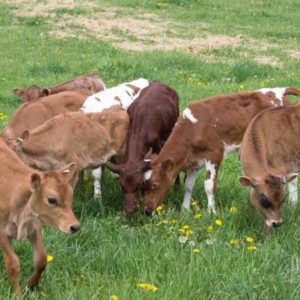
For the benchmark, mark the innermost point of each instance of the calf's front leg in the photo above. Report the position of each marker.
(188, 186)
(11, 262)
(39, 257)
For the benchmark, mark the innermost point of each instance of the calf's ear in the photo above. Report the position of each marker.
(246, 181)
(35, 181)
(24, 136)
(19, 92)
(288, 178)
(69, 171)
(167, 165)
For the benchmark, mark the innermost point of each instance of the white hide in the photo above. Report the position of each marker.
(209, 186)
(293, 192)
(122, 95)
(147, 175)
(278, 92)
(230, 148)
(187, 114)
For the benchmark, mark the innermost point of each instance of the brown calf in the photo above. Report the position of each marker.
(32, 114)
(92, 83)
(270, 156)
(203, 134)
(88, 139)
(152, 117)
(28, 199)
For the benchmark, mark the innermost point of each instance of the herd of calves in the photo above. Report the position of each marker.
(135, 130)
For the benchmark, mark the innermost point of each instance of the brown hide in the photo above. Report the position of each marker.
(92, 83)
(221, 121)
(32, 114)
(89, 139)
(152, 117)
(28, 199)
(270, 156)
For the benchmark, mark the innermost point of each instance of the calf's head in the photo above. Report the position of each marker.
(267, 196)
(131, 181)
(31, 93)
(157, 183)
(51, 198)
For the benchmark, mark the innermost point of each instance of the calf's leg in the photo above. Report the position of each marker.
(39, 257)
(188, 186)
(97, 174)
(293, 192)
(11, 262)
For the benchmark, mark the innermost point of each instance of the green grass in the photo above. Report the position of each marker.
(111, 254)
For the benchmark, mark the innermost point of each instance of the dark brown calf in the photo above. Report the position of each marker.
(152, 117)
(92, 83)
(203, 134)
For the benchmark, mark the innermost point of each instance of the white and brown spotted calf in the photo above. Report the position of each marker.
(122, 95)
(29, 199)
(270, 158)
(92, 83)
(88, 139)
(205, 132)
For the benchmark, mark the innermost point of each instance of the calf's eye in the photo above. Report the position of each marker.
(264, 201)
(52, 201)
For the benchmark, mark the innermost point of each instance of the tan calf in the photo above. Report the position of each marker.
(89, 139)
(270, 158)
(29, 199)
(92, 83)
(32, 114)
(203, 134)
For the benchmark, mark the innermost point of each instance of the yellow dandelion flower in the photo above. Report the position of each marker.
(114, 297)
(194, 203)
(188, 232)
(233, 242)
(163, 222)
(196, 250)
(219, 222)
(159, 208)
(49, 258)
(147, 287)
(197, 216)
(251, 248)
(182, 231)
(210, 229)
(185, 227)
(174, 221)
(233, 209)
(249, 239)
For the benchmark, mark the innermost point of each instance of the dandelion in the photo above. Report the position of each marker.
(197, 216)
(174, 221)
(194, 203)
(196, 250)
(209, 242)
(192, 243)
(219, 222)
(182, 239)
(163, 222)
(147, 287)
(233, 209)
(210, 229)
(251, 248)
(186, 230)
(49, 258)
(249, 239)
(114, 297)
(233, 242)
(159, 208)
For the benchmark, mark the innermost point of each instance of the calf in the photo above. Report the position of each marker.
(122, 95)
(87, 139)
(92, 83)
(28, 199)
(270, 156)
(152, 118)
(32, 114)
(204, 133)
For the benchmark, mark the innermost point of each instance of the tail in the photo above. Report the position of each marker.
(292, 91)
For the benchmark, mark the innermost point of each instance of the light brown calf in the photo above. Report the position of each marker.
(203, 134)
(89, 139)
(270, 156)
(32, 114)
(92, 83)
(28, 199)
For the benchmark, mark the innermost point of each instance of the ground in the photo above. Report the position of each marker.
(200, 48)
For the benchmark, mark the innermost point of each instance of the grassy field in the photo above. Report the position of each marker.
(200, 48)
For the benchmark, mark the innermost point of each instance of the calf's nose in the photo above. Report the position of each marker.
(276, 224)
(74, 228)
(148, 212)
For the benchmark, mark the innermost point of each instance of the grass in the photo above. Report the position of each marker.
(111, 254)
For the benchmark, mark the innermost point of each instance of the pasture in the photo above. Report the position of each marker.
(200, 48)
